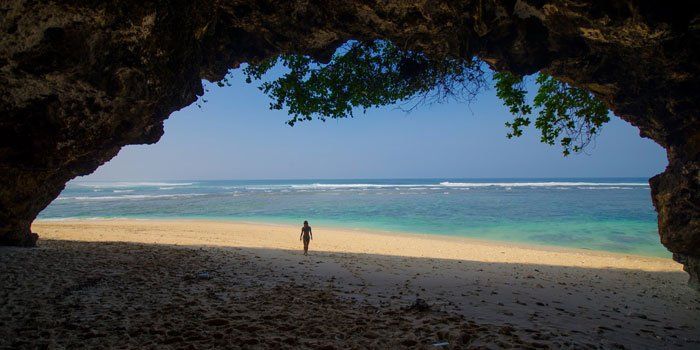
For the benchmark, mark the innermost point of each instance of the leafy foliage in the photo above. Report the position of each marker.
(364, 75)
(511, 90)
(371, 74)
(567, 115)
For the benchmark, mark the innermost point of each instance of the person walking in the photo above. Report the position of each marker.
(307, 236)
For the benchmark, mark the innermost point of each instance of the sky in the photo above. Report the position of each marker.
(234, 135)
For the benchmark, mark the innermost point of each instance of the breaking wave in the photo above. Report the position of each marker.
(130, 197)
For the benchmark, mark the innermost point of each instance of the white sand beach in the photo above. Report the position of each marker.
(190, 283)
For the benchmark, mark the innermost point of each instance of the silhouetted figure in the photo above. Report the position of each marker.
(307, 236)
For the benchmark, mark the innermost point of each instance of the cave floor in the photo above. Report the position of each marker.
(68, 294)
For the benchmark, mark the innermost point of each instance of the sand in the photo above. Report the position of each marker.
(196, 284)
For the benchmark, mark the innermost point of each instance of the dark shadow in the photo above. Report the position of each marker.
(110, 294)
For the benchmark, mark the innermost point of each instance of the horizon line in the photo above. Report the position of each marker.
(370, 178)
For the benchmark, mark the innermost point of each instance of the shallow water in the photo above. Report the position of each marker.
(600, 214)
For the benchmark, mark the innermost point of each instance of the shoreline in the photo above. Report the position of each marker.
(208, 284)
(228, 233)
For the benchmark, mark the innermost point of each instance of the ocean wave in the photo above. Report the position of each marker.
(131, 184)
(360, 186)
(541, 184)
(130, 197)
(437, 186)
(604, 188)
(372, 186)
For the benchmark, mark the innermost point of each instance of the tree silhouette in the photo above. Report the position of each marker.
(378, 73)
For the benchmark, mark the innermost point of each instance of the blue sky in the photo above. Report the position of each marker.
(235, 136)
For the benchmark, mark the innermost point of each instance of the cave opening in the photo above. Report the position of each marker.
(231, 134)
(81, 81)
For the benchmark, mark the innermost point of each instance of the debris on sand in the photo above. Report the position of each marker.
(419, 305)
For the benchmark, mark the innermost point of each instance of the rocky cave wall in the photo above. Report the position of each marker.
(81, 79)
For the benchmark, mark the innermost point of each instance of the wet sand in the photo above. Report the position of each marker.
(196, 284)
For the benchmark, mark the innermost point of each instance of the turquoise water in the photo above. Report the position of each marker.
(599, 214)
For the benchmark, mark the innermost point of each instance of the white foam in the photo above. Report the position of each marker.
(129, 197)
(370, 186)
(540, 184)
(316, 186)
(358, 186)
(131, 184)
(367, 186)
(604, 188)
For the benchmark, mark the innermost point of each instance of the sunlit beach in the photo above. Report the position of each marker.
(394, 174)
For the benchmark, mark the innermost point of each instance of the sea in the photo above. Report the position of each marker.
(607, 214)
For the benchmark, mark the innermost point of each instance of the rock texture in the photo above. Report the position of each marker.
(81, 79)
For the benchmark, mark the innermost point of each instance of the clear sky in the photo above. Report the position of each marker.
(235, 136)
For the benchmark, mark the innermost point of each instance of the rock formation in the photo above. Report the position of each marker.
(81, 79)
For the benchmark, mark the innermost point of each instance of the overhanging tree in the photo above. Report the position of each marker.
(377, 73)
